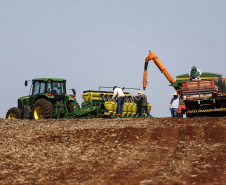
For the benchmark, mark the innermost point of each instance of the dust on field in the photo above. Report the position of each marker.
(113, 151)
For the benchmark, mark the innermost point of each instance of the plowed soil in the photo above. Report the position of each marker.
(113, 151)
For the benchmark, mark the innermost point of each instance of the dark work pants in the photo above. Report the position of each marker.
(145, 108)
(174, 112)
(120, 104)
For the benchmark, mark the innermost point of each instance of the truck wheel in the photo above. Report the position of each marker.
(42, 109)
(70, 106)
(189, 115)
(14, 113)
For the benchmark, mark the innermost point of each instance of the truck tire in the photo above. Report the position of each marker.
(14, 113)
(42, 109)
(70, 106)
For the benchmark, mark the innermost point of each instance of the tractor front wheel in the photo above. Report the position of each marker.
(42, 109)
(14, 113)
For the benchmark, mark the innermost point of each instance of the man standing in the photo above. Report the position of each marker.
(195, 73)
(121, 98)
(174, 104)
(144, 104)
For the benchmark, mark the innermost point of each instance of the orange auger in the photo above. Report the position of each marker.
(145, 80)
(152, 56)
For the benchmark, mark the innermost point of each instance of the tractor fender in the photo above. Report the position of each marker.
(44, 96)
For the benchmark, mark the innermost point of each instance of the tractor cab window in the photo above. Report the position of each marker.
(56, 88)
(39, 88)
(42, 87)
(36, 88)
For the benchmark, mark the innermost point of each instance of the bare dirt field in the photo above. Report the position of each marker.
(173, 151)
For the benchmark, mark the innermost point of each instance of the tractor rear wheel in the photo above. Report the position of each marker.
(70, 106)
(42, 109)
(14, 113)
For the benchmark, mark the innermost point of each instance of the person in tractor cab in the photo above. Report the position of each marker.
(195, 73)
(121, 98)
(144, 103)
(174, 104)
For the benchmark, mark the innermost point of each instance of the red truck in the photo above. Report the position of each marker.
(205, 97)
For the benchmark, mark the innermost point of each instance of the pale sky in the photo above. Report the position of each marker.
(104, 43)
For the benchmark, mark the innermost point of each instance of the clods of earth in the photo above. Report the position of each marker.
(173, 151)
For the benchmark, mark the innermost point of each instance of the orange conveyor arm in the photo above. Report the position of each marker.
(152, 56)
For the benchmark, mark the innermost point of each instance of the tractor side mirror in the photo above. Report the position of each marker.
(25, 83)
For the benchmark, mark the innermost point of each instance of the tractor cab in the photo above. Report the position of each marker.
(50, 86)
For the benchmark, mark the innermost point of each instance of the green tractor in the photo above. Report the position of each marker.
(48, 100)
